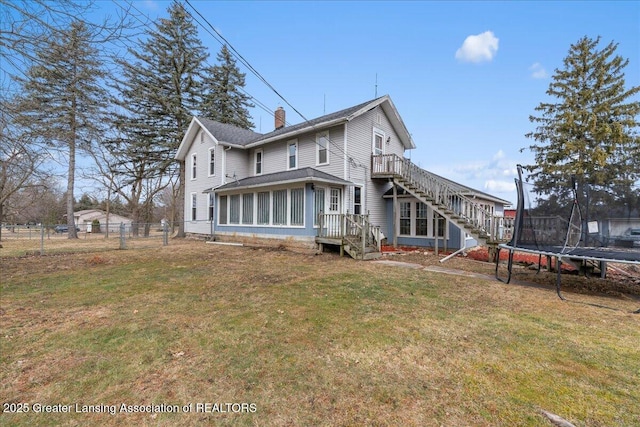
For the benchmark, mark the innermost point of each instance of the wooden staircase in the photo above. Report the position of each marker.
(353, 233)
(456, 206)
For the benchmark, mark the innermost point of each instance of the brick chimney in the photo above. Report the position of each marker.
(279, 116)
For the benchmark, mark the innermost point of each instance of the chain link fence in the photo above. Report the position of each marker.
(19, 240)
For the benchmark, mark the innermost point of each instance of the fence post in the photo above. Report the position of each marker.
(165, 234)
(42, 240)
(123, 243)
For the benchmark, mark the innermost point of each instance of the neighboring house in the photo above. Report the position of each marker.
(85, 218)
(324, 179)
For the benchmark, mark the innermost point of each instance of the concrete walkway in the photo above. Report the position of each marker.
(435, 269)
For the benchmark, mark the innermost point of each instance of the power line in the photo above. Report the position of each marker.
(244, 61)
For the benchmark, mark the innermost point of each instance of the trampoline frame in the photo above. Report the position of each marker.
(560, 253)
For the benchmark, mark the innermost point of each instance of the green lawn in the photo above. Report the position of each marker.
(242, 336)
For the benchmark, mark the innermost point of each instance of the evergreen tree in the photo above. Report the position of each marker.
(62, 100)
(588, 130)
(224, 100)
(159, 93)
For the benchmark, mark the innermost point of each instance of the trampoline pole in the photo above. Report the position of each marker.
(558, 277)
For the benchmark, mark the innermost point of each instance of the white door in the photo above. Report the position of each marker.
(335, 208)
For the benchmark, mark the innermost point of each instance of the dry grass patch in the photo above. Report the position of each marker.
(310, 340)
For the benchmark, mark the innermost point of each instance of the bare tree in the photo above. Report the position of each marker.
(21, 164)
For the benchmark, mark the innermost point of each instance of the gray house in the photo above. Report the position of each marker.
(338, 179)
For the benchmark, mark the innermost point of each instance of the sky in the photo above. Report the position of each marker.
(464, 76)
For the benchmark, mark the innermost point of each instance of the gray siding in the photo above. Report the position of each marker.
(201, 183)
(360, 133)
(236, 164)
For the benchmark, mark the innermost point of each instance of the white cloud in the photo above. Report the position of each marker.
(538, 71)
(150, 4)
(478, 48)
(499, 186)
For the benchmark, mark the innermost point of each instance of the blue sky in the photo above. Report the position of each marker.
(464, 76)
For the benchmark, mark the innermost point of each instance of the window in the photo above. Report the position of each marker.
(263, 208)
(378, 142)
(193, 166)
(280, 207)
(234, 209)
(322, 146)
(357, 200)
(293, 154)
(422, 223)
(334, 200)
(223, 209)
(247, 208)
(259, 162)
(405, 218)
(194, 205)
(297, 206)
(441, 223)
(201, 137)
(212, 198)
(212, 161)
(318, 204)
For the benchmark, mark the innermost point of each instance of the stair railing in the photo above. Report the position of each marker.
(438, 191)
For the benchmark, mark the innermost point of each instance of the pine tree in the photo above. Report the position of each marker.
(62, 99)
(589, 130)
(224, 100)
(159, 93)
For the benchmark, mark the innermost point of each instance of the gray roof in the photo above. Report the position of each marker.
(229, 133)
(297, 175)
(317, 121)
(242, 137)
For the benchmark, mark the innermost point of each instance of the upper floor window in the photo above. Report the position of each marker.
(322, 148)
(201, 137)
(212, 161)
(194, 169)
(259, 157)
(378, 142)
(292, 151)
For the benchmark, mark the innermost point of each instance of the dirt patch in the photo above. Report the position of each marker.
(622, 279)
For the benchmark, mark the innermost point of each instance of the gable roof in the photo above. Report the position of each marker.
(285, 177)
(338, 117)
(221, 133)
(234, 136)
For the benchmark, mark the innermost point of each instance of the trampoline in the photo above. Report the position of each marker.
(560, 236)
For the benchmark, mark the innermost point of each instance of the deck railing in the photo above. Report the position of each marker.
(355, 229)
(478, 218)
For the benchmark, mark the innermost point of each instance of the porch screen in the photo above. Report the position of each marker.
(247, 208)
(297, 206)
(280, 207)
(263, 207)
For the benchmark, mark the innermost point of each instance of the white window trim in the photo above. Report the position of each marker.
(211, 150)
(194, 166)
(255, 161)
(318, 136)
(211, 201)
(289, 144)
(413, 219)
(381, 133)
(193, 198)
(270, 224)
